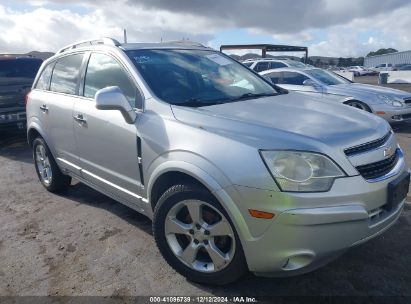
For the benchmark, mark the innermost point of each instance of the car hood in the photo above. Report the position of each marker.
(288, 121)
(359, 88)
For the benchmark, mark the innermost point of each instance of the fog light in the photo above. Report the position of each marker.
(298, 261)
(397, 117)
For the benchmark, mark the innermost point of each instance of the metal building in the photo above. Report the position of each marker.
(266, 48)
(393, 58)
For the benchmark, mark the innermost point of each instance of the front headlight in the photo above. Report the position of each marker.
(296, 171)
(390, 101)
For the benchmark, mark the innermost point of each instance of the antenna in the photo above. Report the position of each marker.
(125, 36)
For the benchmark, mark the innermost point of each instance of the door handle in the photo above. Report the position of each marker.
(44, 108)
(80, 118)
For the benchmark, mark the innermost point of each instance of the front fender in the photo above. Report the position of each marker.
(215, 185)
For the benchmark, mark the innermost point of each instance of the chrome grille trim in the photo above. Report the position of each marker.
(394, 165)
(368, 146)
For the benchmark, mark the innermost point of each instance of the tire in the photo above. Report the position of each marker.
(47, 169)
(358, 105)
(202, 269)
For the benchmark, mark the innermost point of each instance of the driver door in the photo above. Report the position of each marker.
(294, 81)
(108, 146)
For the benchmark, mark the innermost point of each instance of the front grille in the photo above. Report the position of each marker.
(407, 100)
(406, 116)
(380, 168)
(368, 146)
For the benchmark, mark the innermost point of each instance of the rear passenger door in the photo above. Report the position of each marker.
(57, 110)
(108, 146)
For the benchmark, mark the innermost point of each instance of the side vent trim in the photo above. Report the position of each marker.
(140, 160)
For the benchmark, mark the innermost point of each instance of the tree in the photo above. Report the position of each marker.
(382, 52)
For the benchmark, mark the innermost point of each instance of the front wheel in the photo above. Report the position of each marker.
(46, 167)
(196, 237)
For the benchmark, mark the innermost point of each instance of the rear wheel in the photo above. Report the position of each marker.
(196, 237)
(46, 167)
(359, 105)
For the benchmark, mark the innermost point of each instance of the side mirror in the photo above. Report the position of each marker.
(268, 79)
(309, 83)
(112, 98)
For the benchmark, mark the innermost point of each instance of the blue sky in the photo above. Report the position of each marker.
(327, 27)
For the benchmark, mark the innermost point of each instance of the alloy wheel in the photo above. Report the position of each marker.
(200, 236)
(43, 164)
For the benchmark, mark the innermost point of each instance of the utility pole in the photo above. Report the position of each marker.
(125, 36)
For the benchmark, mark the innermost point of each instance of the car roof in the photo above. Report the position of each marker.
(107, 43)
(171, 45)
(289, 69)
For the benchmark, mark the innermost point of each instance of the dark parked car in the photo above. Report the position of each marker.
(16, 78)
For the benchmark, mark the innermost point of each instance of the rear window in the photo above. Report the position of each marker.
(19, 68)
(44, 79)
(66, 73)
(262, 66)
(277, 65)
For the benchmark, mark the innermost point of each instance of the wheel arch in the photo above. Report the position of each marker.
(169, 175)
(34, 130)
(351, 99)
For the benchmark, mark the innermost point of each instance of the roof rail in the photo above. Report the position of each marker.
(104, 40)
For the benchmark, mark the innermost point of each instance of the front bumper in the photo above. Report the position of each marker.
(392, 114)
(310, 229)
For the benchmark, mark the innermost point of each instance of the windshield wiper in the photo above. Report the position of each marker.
(195, 102)
(252, 96)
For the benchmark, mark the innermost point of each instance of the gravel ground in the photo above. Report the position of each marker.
(84, 243)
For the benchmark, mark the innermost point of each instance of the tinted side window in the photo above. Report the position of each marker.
(262, 66)
(276, 65)
(275, 77)
(66, 73)
(293, 78)
(104, 71)
(44, 79)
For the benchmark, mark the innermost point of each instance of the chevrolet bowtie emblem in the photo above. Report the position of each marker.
(388, 152)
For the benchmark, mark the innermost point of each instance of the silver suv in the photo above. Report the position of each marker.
(236, 173)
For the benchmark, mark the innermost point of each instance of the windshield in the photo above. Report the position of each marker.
(326, 77)
(197, 78)
(19, 68)
(296, 64)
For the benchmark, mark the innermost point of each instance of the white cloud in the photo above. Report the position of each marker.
(328, 27)
(44, 29)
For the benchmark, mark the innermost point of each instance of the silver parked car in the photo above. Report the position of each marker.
(235, 173)
(390, 104)
(263, 64)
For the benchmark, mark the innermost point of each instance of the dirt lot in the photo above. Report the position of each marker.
(84, 243)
